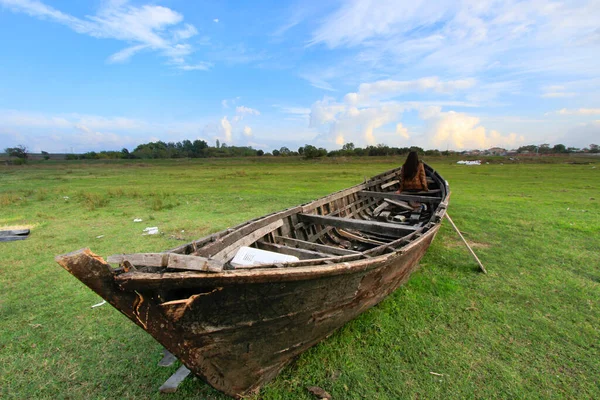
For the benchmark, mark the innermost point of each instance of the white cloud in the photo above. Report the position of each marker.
(402, 131)
(242, 110)
(391, 88)
(202, 66)
(142, 27)
(581, 111)
(226, 129)
(216, 20)
(247, 131)
(125, 54)
(461, 131)
(556, 95)
(369, 123)
(465, 37)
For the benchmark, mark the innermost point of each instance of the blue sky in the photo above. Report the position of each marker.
(106, 74)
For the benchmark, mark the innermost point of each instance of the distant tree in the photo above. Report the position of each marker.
(20, 152)
(531, 148)
(301, 150)
(559, 148)
(573, 150)
(348, 148)
(260, 153)
(313, 152)
(276, 152)
(218, 144)
(544, 148)
(594, 148)
(284, 151)
(46, 155)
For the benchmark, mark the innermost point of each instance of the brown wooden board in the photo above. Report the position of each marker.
(361, 225)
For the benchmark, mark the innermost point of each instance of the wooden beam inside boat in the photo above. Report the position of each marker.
(252, 237)
(231, 239)
(358, 224)
(302, 254)
(401, 196)
(169, 260)
(314, 246)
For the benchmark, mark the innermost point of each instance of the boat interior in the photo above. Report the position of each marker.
(363, 221)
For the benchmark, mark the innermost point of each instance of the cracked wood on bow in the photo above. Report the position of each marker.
(237, 328)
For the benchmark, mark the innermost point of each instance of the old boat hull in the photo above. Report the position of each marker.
(237, 329)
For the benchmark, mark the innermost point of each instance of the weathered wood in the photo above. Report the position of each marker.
(302, 254)
(171, 385)
(14, 232)
(327, 199)
(193, 263)
(399, 203)
(466, 244)
(229, 251)
(168, 260)
(380, 208)
(314, 246)
(247, 229)
(168, 359)
(390, 183)
(361, 225)
(352, 236)
(141, 259)
(401, 196)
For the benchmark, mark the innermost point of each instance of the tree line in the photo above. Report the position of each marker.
(201, 149)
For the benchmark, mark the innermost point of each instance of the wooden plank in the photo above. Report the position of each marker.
(167, 360)
(401, 196)
(141, 259)
(230, 239)
(229, 251)
(334, 196)
(169, 260)
(400, 204)
(171, 385)
(361, 225)
(314, 246)
(390, 183)
(380, 208)
(292, 251)
(194, 263)
(352, 236)
(15, 232)
(314, 237)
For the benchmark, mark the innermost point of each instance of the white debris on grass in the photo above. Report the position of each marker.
(99, 304)
(137, 220)
(66, 198)
(151, 230)
(475, 162)
(99, 237)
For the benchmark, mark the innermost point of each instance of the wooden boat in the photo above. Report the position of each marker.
(236, 328)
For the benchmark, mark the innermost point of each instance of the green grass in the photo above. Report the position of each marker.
(528, 329)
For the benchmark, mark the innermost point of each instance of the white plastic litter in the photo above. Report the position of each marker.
(99, 237)
(137, 220)
(99, 304)
(247, 256)
(475, 162)
(151, 230)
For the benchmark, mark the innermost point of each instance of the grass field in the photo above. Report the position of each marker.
(528, 329)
